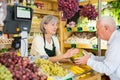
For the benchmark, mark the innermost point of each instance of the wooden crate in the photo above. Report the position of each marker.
(92, 76)
(95, 76)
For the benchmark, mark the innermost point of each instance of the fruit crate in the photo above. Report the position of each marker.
(93, 76)
(9, 41)
(6, 41)
(79, 74)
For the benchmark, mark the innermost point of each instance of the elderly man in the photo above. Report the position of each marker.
(110, 63)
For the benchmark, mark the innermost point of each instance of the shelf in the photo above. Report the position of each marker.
(9, 41)
(80, 3)
(80, 29)
(35, 29)
(46, 0)
(85, 46)
(40, 11)
(92, 1)
(6, 41)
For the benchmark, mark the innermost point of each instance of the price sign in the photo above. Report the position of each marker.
(71, 78)
(94, 46)
(73, 45)
(69, 29)
(79, 29)
(91, 28)
(118, 28)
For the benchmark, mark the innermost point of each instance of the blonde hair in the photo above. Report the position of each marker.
(46, 19)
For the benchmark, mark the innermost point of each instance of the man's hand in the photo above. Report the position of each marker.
(82, 60)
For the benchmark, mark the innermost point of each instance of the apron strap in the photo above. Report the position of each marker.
(45, 42)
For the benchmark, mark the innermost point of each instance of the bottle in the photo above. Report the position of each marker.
(32, 2)
(24, 2)
(28, 2)
(16, 2)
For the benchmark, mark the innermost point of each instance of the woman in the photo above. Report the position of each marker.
(47, 44)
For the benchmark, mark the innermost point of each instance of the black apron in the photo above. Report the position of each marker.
(49, 52)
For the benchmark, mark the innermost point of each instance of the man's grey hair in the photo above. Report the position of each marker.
(46, 19)
(107, 20)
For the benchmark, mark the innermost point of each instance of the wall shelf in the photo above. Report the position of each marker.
(80, 29)
(85, 46)
(46, 0)
(40, 11)
(92, 1)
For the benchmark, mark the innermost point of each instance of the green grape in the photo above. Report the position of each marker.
(51, 69)
(5, 74)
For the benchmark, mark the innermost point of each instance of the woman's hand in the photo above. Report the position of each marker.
(82, 60)
(43, 77)
(71, 52)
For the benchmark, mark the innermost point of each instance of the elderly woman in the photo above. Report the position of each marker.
(47, 44)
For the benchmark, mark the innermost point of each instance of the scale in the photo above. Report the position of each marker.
(18, 21)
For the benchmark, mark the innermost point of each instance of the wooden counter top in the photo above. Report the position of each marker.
(92, 76)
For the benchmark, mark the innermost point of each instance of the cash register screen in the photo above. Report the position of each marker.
(23, 13)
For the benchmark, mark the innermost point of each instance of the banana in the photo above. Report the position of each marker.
(85, 67)
(82, 76)
(77, 70)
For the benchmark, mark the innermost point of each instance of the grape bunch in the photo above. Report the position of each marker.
(5, 74)
(20, 67)
(89, 11)
(51, 69)
(68, 7)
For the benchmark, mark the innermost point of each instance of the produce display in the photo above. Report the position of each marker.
(5, 74)
(71, 24)
(89, 11)
(80, 69)
(77, 70)
(3, 50)
(20, 67)
(82, 21)
(112, 9)
(51, 69)
(14, 67)
(68, 7)
(83, 38)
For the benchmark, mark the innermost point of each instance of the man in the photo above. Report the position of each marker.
(110, 63)
(3, 11)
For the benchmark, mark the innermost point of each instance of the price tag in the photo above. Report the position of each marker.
(118, 28)
(69, 29)
(71, 78)
(94, 46)
(79, 29)
(73, 45)
(91, 28)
